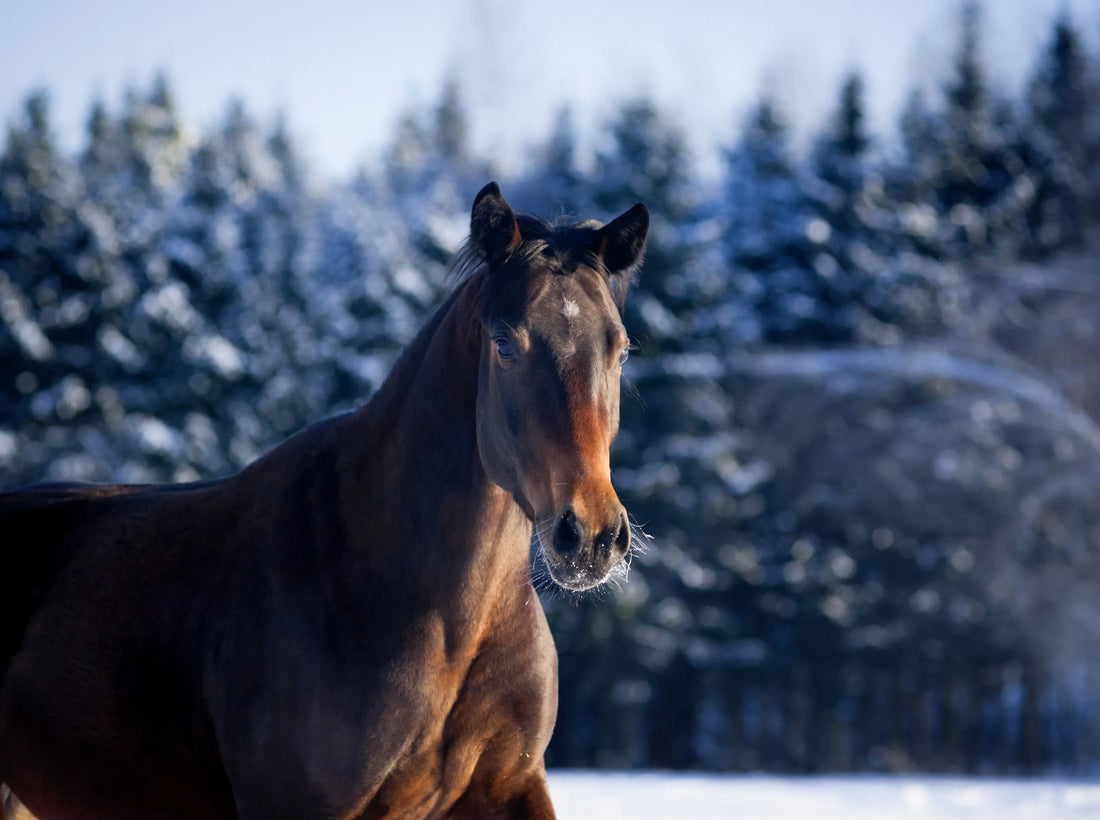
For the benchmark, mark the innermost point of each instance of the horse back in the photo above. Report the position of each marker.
(38, 529)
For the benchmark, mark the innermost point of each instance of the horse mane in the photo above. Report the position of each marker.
(563, 243)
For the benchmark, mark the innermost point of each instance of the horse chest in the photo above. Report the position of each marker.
(486, 735)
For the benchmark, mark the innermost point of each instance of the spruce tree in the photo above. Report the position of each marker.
(771, 236)
(1058, 101)
(646, 160)
(840, 158)
(54, 296)
(450, 127)
(915, 177)
(846, 199)
(979, 161)
(34, 212)
(555, 184)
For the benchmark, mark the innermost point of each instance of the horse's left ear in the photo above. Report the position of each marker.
(494, 232)
(619, 244)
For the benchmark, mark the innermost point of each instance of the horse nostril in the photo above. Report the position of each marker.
(622, 539)
(617, 537)
(567, 536)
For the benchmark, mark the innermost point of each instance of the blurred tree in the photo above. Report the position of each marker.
(407, 154)
(278, 234)
(1058, 131)
(131, 172)
(770, 232)
(47, 299)
(646, 161)
(370, 295)
(152, 136)
(555, 185)
(914, 177)
(967, 135)
(216, 322)
(450, 126)
(840, 156)
(35, 203)
(429, 178)
(980, 162)
(102, 161)
(846, 197)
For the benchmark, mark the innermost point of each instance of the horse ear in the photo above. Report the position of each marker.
(620, 244)
(493, 229)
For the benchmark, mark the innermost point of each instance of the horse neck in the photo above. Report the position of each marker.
(421, 458)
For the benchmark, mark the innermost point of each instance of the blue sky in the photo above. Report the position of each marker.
(343, 71)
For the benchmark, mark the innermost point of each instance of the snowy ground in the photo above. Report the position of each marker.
(642, 796)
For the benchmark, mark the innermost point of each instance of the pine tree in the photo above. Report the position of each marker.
(763, 192)
(967, 134)
(555, 183)
(362, 316)
(846, 198)
(980, 162)
(131, 172)
(450, 126)
(34, 211)
(646, 161)
(912, 179)
(430, 177)
(153, 137)
(294, 384)
(35, 193)
(102, 161)
(1058, 136)
(1058, 93)
(198, 313)
(1090, 156)
(840, 158)
(385, 242)
(770, 235)
(54, 296)
(406, 158)
(916, 176)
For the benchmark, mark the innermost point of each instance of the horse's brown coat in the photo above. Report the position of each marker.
(347, 628)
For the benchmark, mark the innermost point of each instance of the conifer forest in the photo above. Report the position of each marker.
(861, 421)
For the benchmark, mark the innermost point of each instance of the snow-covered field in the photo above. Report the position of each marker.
(646, 796)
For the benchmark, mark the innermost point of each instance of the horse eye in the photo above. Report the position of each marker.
(505, 349)
(624, 354)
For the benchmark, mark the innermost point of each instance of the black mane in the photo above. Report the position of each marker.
(563, 244)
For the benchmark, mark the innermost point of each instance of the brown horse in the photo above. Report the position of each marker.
(346, 628)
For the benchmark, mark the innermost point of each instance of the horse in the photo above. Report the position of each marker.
(346, 628)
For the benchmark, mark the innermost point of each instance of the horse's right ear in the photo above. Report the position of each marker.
(493, 229)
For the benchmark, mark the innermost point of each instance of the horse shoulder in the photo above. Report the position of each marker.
(420, 731)
(498, 729)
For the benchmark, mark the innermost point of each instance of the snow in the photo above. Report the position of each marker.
(220, 352)
(919, 364)
(644, 795)
(156, 436)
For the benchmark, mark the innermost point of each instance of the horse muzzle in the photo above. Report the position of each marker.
(581, 549)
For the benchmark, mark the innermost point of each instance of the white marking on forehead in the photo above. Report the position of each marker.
(571, 309)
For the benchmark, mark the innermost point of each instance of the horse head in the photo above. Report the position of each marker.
(552, 350)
